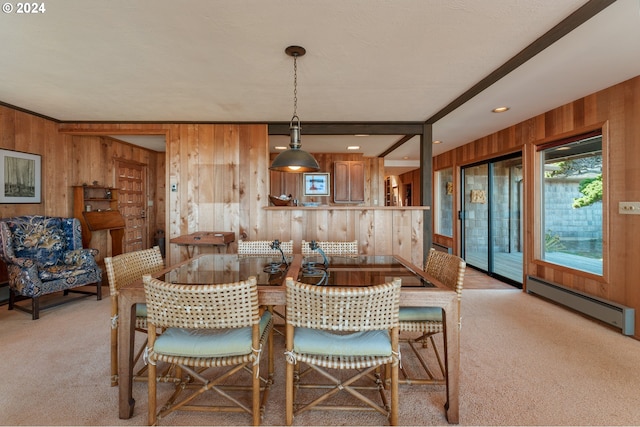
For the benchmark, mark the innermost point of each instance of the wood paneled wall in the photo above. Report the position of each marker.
(94, 159)
(379, 230)
(617, 110)
(31, 134)
(222, 178)
(220, 173)
(412, 178)
(69, 160)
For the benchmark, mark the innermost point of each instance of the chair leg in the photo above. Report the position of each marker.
(99, 291)
(393, 416)
(12, 299)
(151, 386)
(418, 346)
(114, 357)
(289, 395)
(268, 380)
(35, 308)
(276, 313)
(255, 393)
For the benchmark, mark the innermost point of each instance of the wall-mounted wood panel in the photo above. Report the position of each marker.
(24, 132)
(67, 160)
(394, 231)
(617, 109)
(410, 180)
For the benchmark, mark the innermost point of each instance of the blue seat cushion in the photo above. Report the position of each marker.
(418, 314)
(141, 310)
(207, 342)
(319, 342)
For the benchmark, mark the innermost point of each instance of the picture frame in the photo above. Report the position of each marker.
(316, 184)
(21, 177)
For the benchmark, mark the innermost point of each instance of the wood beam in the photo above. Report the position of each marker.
(350, 128)
(396, 145)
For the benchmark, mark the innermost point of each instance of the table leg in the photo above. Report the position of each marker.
(126, 337)
(452, 360)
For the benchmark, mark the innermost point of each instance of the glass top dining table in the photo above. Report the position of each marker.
(418, 289)
(361, 270)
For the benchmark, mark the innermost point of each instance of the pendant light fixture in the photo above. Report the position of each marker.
(294, 159)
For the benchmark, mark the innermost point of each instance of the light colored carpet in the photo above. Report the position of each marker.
(524, 361)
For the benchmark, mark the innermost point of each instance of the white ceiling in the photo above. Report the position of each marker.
(366, 61)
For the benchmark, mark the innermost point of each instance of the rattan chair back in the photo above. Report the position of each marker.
(229, 305)
(447, 268)
(332, 247)
(263, 247)
(124, 269)
(335, 308)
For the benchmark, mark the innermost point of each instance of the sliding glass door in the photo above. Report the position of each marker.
(492, 217)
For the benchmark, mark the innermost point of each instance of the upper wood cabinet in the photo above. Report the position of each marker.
(348, 181)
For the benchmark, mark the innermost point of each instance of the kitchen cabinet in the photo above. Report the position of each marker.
(348, 182)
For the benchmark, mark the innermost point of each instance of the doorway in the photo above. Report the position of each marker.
(491, 217)
(132, 191)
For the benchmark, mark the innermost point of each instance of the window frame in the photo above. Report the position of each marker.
(439, 188)
(538, 208)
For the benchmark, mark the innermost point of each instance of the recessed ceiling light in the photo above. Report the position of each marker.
(361, 134)
(280, 147)
(405, 158)
(437, 141)
(500, 109)
(353, 147)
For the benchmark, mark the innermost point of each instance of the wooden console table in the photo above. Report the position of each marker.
(205, 238)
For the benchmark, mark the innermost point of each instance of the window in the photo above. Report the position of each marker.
(571, 196)
(443, 202)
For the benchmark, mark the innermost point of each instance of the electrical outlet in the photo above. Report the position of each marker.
(629, 208)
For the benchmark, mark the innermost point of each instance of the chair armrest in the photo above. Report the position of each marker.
(24, 279)
(81, 257)
(20, 262)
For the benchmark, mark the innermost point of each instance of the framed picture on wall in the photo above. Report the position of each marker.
(316, 184)
(21, 177)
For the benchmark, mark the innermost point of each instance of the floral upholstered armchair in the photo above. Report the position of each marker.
(45, 255)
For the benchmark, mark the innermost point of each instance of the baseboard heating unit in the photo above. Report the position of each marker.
(609, 312)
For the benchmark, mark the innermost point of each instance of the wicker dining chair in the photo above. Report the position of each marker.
(208, 330)
(341, 328)
(123, 270)
(332, 247)
(428, 321)
(263, 247)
